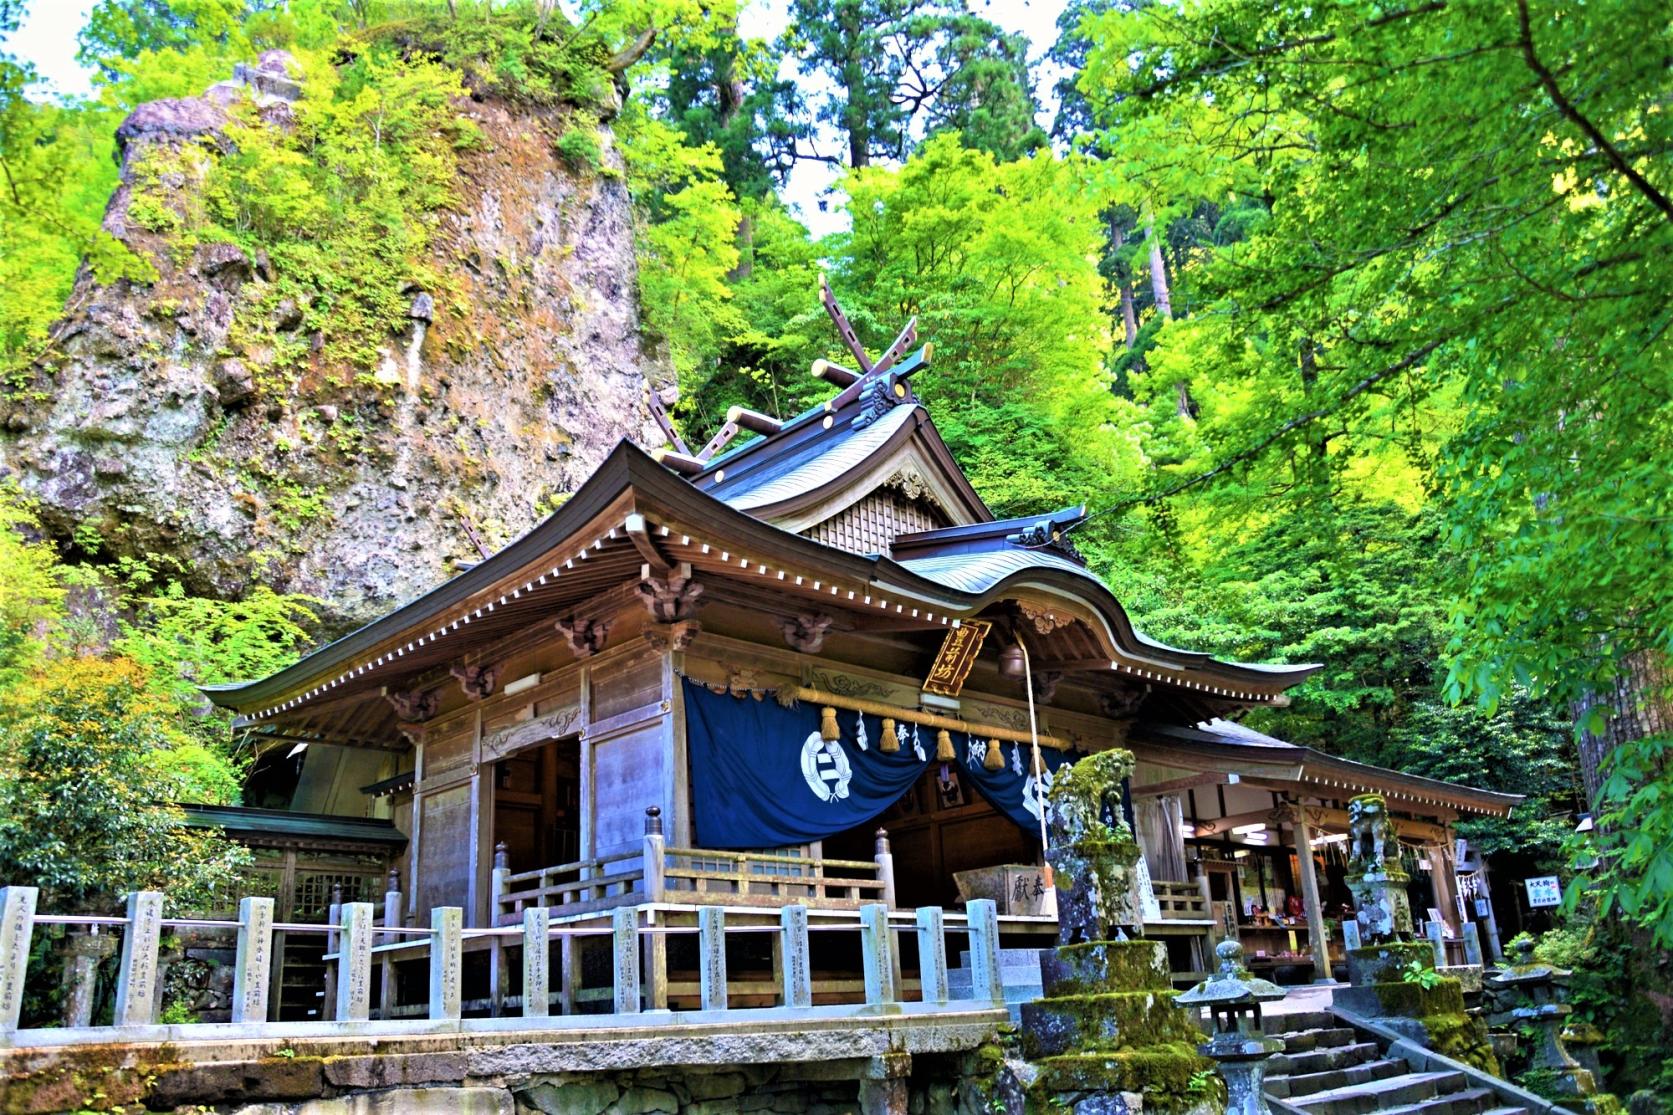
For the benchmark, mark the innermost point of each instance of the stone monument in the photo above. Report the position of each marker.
(1105, 1035)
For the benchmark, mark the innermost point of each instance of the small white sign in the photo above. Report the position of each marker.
(1544, 891)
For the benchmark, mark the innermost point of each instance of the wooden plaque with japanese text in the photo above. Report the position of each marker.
(958, 653)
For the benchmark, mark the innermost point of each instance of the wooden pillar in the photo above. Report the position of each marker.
(1310, 893)
(392, 919)
(655, 944)
(497, 974)
(1444, 884)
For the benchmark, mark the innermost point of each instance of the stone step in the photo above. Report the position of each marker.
(1300, 1041)
(1306, 1084)
(1382, 1095)
(1274, 1025)
(1471, 1101)
(1323, 1060)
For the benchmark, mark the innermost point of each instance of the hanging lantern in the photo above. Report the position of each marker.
(993, 760)
(890, 743)
(944, 747)
(828, 724)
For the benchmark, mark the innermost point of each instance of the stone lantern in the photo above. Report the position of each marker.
(1233, 998)
(1530, 993)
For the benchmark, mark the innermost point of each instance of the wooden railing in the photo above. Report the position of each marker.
(1181, 901)
(631, 929)
(584, 886)
(761, 879)
(663, 874)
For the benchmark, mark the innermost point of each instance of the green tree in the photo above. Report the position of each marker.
(893, 67)
(1500, 319)
(91, 759)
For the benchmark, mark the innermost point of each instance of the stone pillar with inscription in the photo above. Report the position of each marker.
(136, 983)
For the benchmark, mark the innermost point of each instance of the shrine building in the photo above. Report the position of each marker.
(810, 667)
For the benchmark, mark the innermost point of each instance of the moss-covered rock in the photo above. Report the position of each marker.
(1172, 1077)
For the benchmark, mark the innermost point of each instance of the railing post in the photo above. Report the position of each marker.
(711, 949)
(797, 969)
(1437, 939)
(498, 886)
(986, 984)
(932, 953)
(655, 856)
(537, 969)
(250, 964)
(136, 986)
(333, 915)
(624, 936)
(886, 875)
(354, 963)
(17, 926)
(387, 992)
(447, 924)
(877, 954)
(886, 867)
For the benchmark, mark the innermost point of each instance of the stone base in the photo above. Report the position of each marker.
(1384, 963)
(1171, 1079)
(1434, 1017)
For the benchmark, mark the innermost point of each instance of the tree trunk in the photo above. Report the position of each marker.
(1129, 316)
(1159, 275)
(1638, 706)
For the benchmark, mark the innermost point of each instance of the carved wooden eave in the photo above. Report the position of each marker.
(806, 632)
(585, 637)
(477, 682)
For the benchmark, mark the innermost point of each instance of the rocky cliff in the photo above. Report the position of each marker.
(208, 419)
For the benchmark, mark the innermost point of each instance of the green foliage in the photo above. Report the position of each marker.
(90, 757)
(187, 641)
(1496, 329)
(891, 67)
(1421, 975)
(31, 592)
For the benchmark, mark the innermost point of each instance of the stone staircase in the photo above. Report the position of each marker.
(1326, 1069)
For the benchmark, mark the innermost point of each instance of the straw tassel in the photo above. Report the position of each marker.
(828, 724)
(993, 760)
(890, 743)
(944, 747)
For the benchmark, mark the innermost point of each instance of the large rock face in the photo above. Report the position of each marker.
(155, 424)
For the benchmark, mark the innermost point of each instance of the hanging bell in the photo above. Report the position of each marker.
(993, 760)
(828, 725)
(890, 743)
(944, 747)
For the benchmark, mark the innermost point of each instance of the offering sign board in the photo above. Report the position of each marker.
(1544, 891)
(957, 655)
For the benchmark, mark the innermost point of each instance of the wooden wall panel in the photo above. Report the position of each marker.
(628, 778)
(626, 684)
(445, 849)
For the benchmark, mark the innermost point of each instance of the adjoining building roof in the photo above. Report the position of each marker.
(1221, 741)
(254, 826)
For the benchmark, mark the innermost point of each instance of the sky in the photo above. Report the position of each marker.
(47, 38)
